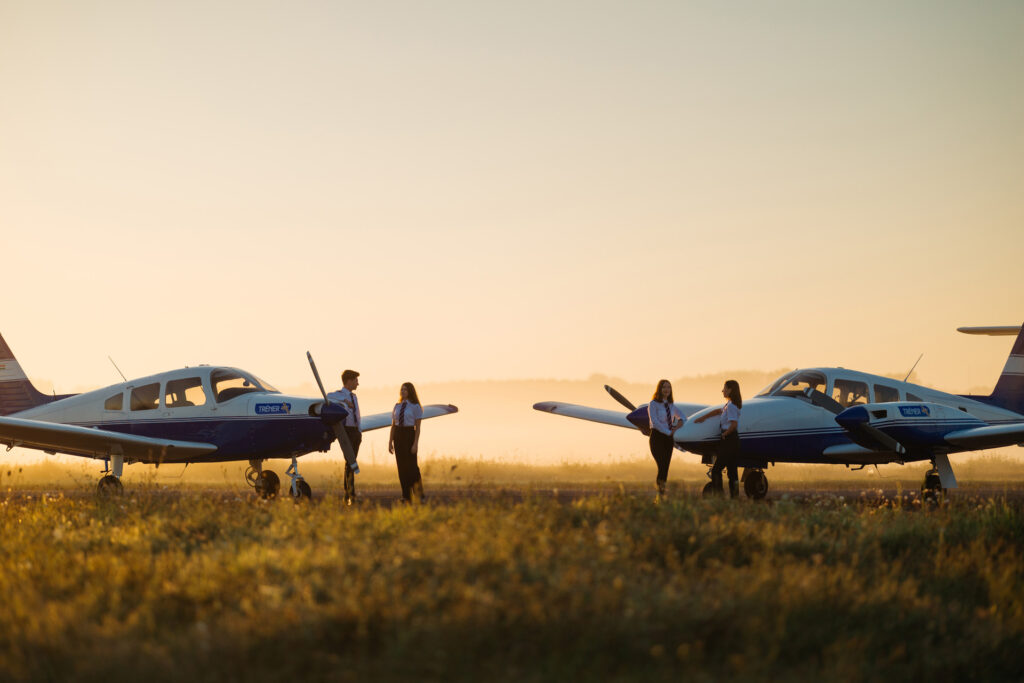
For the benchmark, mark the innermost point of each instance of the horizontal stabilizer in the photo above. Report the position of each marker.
(96, 443)
(379, 420)
(608, 417)
(987, 437)
(992, 330)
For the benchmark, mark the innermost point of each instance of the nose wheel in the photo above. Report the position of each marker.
(299, 489)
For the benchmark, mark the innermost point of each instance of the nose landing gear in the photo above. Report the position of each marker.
(299, 489)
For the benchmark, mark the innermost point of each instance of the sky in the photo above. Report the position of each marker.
(454, 191)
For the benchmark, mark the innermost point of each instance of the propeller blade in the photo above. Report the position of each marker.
(884, 439)
(346, 446)
(620, 398)
(316, 374)
(339, 430)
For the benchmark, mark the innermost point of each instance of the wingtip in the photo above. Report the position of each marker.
(545, 406)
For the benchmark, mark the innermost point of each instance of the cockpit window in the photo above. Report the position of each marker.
(227, 384)
(776, 384)
(800, 384)
(849, 392)
(145, 397)
(184, 393)
(115, 402)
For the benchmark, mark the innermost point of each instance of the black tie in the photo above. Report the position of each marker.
(668, 415)
(355, 409)
(401, 415)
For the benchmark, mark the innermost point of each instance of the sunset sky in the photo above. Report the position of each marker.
(443, 191)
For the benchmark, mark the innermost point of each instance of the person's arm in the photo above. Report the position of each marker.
(416, 439)
(733, 426)
(680, 417)
(714, 413)
(391, 439)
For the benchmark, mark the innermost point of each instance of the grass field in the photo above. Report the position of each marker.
(199, 581)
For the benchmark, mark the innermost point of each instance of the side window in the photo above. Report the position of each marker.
(914, 397)
(848, 392)
(145, 397)
(115, 402)
(884, 394)
(183, 393)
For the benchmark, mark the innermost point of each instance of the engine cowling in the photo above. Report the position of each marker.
(904, 426)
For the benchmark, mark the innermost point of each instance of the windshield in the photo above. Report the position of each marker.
(227, 384)
(775, 385)
(798, 384)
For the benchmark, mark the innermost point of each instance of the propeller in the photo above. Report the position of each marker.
(620, 398)
(339, 430)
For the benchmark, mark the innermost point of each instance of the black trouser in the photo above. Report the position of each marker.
(355, 437)
(661, 449)
(728, 454)
(408, 468)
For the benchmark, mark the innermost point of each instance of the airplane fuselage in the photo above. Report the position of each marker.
(226, 407)
(782, 425)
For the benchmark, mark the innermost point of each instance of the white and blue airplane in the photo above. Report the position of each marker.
(839, 416)
(192, 415)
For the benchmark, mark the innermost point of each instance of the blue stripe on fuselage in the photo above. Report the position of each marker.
(236, 438)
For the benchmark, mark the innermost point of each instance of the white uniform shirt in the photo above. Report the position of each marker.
(413, 412)
(351, 403)
(662, 419)
(730, 413)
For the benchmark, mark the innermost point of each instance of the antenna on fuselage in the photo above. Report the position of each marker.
(913, 366)
(117, 368)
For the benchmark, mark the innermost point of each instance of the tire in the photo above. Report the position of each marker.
(302, 490)
(755, 485)
(110, 486)
(268, 485)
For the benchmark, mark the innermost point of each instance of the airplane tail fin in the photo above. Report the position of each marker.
(1009, 389)
(16, 391)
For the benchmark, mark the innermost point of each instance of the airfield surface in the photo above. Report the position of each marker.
(582, 580)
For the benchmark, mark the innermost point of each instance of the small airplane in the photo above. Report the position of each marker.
(839, 416)
(192, 415)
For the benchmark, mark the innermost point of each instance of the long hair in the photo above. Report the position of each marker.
(734, 392)
(657, 391)
(413, 398)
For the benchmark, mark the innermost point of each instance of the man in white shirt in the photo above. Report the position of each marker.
(347, 397)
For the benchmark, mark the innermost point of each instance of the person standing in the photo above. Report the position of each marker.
(347, 397)
(404, 442)
(666, 419)
(729, 448)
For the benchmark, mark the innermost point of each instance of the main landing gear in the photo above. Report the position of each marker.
(110, 484)
(753, 480)
(931, 489)
(265, 482)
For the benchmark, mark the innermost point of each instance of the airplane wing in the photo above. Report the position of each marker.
(608, 417)
(992, 436)
(91, 442)
(378, 420)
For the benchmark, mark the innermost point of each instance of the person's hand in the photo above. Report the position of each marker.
(413, 451)
(391, 447)
(700, 419)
